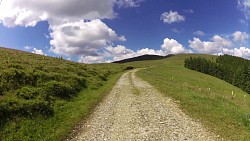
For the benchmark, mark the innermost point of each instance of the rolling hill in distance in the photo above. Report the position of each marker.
(143, 58)
(53, 95)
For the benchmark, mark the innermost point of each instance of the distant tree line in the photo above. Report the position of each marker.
(234, 70)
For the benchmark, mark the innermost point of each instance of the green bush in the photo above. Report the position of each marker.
(129, 68)
(13, 79)
(58, 89)
(13, 107)
(28, 93)
(77, 83)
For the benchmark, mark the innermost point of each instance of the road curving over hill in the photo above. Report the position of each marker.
(134, 110)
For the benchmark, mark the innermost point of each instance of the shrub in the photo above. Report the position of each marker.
(13, 107)
(58, 89)
(13, 79)
(129, 68)
(27, 93)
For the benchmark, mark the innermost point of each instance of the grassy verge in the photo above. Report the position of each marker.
(67, 114)
(201, 96)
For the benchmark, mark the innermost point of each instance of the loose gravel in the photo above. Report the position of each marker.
(134, 110)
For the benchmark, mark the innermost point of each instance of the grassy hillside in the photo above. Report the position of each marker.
(201, 96)
(42, 98)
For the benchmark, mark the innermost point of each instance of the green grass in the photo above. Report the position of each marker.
(43, 98)
(135, 90)
(201, 96)
(67, 115)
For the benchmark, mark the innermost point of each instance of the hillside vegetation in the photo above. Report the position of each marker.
(42, 98)
(234, 70)
(203, 97)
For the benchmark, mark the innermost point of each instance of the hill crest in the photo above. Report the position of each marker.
(143, 58)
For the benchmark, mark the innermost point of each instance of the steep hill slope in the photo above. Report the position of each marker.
(44, 92)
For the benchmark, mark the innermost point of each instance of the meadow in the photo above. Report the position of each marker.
(44, 98)
(203, 97)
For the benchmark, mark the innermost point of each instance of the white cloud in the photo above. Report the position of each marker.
(29, 12)
(75, 26)
(171, 46)
(244, 6)
(128, 3)
(118, 50)
(199, 33)
(117, 53)
(91, 59)
(220, 45)
(219, 41)
(28, 47)
(210, 47)
(217, 45)
(171, 17)
(140, 52)
(240, 52)
(82, 38)
(240, 36)
(38, 51)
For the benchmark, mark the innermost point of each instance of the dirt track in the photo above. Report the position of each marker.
(134, 110)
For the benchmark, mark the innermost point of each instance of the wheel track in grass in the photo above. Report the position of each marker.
(135, 110)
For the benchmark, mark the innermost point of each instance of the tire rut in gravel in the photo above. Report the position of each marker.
(134, 110)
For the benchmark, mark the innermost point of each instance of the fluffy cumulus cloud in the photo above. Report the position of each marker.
(213, 46)
(118, 50)
(77, 38)
(241, 52)
(34, 50)
(240, 36)
(199, 33)
(218, 45)
(171, 46)
(29, 12)
(75, 26)
(171, 17)
(38, 51)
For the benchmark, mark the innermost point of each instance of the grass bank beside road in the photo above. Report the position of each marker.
(201, 96)
(43, 98)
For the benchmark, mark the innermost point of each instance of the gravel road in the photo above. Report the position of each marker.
(134, 110)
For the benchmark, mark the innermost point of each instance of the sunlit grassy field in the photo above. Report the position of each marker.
(43, 98)
(27, 81)
(203, 97)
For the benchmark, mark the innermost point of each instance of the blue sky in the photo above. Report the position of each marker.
(93, 31)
